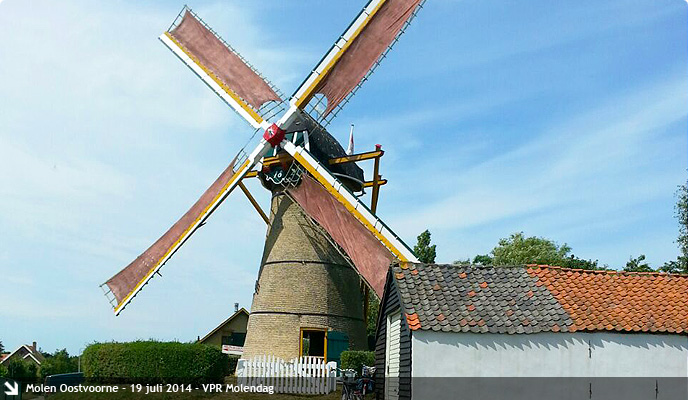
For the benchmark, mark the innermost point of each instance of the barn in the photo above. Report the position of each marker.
(450, 331)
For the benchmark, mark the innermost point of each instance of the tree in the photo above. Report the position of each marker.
(58, 363)
(637, 264)
(681, 212)
(371, 324)
(674, 267)
(483, 259)
(373, 308)
(2, 348)
(21, 370)
(680, 265)
(424, 251)
(518, 249)
(574, 262)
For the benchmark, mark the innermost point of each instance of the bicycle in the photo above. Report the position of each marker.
(356, 389)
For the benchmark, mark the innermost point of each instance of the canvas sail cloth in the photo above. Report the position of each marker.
(213, 55)
(365, 49)
(137, 273)
(370, 257)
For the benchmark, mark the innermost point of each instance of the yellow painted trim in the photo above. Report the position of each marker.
(357, 157)
(300, 342)
(372, 183)
(183, 235)
(278, 159)
(301, 330)
(217, 80)
(351, 209)
(308, 94)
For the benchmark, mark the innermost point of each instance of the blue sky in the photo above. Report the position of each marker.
(566, 120)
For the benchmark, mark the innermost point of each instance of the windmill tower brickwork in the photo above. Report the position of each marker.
(304, 284)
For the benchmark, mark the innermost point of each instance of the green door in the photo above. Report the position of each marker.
(337, 342)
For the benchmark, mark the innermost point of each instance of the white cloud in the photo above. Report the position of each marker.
(615, 137)
(577, 175)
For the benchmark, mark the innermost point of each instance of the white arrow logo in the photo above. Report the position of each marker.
(12, 391)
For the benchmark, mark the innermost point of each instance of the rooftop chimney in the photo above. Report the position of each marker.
(35, 349)
(236, 307)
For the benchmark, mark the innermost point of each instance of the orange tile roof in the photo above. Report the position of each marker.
(618, 301)
(412, 320)
(539, 298)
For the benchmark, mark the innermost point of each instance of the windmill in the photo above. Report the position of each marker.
(322, 241)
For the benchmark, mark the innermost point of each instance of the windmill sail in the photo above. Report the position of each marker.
(129, 281)
(370, 257)
(222, 68)
(352, 226)
(356, 52)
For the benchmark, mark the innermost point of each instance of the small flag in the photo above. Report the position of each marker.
(350, 149)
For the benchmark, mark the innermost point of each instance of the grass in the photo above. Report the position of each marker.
(197, 394)
(125, 393)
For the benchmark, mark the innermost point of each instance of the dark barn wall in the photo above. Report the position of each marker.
(390, 303)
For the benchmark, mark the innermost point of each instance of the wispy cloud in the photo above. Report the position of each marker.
(560, 171)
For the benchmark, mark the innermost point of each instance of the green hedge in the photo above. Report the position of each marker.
(233, 361)
(356, 360)
(154, 362)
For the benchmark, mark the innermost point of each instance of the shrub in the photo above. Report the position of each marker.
(233, 361)
(154, 362)
(356, 360)
(58, 363)
(3, 371)
(22, 370)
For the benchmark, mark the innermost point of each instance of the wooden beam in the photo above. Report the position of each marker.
(285, 158)
(376, 179)
(380, 182)
(254, 203)
(278, 159)
(357, 157)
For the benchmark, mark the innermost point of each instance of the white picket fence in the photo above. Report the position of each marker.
(305, 375)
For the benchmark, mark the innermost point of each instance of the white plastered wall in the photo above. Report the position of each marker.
(578, 354)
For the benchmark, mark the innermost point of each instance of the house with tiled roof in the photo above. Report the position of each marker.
(26, 352)
(230, 334)
(448, 329)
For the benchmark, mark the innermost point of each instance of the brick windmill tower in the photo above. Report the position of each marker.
(324, 248)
